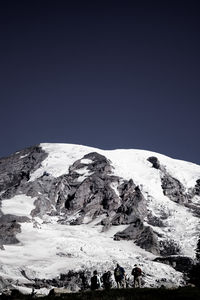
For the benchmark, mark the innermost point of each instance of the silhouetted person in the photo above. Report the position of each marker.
(137, 273)
(95, 281)
(84, 281)
(119, 275)
(107, 280)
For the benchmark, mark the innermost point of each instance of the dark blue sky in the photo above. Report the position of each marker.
(108, 74)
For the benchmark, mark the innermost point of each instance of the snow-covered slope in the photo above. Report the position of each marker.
(127, 163)
(70, 207)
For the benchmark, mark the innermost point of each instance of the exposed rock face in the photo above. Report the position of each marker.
(197, 188)
(133, 211)
(171, 186)
(72, 281)
(173, 189)
(133, 204)
(179, 263)
(8, 231)
(142, 235)
(155, 162)
(14, 173)
(193, 193)
(169, 247)
(154, 220)
(17, 167)
(9, 227)
(94, 195)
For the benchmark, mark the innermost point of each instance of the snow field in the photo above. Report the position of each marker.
(20, 205)
(52, 249)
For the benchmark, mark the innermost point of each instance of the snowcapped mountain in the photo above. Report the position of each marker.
(68, 208)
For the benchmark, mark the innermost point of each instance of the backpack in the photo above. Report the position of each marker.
(107, 282)
(119, 272)
(137, 272)
(105, 277)
(94, 282)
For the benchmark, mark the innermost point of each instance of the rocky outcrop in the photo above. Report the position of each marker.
(133, 204)
(154, 220)
(8, 231)
(169, 247)
(92, 195)
(142, 235)
(155, 162)
(17, 167)
(197, 188)
(179, 263)
(172, 187)
(9, 227)
(71, 281)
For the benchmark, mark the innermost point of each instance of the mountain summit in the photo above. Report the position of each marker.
(68, 208)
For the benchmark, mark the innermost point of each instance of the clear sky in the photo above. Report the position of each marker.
(108, 74)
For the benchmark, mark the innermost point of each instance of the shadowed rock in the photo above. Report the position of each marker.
(155, 162)
(8, 231)
(179, 263)
(17, 167)
(172, 187)
(142, 235)
(197, 188)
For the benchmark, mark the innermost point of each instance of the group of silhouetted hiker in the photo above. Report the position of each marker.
(120, 276)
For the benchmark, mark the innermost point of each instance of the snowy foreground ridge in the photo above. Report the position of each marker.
(70, 207)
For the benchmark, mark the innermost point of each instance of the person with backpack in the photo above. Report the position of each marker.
(95, 281)
(119, 275)
(137, 273)
(107, 280)
(84, 281)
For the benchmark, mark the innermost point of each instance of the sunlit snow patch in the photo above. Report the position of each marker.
(86, 161)
(20, 205)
